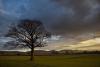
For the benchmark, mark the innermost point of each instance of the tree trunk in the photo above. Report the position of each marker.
(32, 53)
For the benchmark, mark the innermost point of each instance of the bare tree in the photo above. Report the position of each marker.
(30, 33)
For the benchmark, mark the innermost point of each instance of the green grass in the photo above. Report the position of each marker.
(51, 61)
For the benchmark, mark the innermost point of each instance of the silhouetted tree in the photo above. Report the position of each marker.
(29, 33)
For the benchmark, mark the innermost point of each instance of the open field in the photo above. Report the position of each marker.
(51, 61)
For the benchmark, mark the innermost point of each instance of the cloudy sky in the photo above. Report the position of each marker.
(76, 23)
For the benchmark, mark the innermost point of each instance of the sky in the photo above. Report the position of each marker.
(75, 24)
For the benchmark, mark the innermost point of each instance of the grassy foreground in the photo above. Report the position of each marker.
(51, 61)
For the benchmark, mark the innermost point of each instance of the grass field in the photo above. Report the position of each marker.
(51, 61)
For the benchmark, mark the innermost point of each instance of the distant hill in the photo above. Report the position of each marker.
(52, 52)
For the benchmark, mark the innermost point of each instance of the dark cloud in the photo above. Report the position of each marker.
(85, 16)
(29, 9)
(77, 20)
(59, 16)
